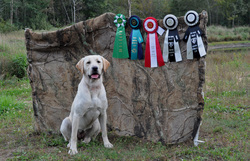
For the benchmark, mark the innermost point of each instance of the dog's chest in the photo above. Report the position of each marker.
(92, 113)
(88, 118)
(95, 108)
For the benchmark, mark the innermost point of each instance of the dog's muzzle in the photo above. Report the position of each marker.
(94, 74)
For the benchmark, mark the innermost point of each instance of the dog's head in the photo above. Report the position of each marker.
(92, 66)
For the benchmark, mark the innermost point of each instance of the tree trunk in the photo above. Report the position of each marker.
(74, 10)
(11, 11)
(16, 12)
(65, 11)
(24, 13)
(129, 8)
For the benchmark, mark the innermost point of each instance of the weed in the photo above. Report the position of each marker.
(218, 130)
(17, 66)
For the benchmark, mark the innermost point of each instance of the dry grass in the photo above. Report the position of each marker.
(228, 74)
(13, 42)
(220, 33)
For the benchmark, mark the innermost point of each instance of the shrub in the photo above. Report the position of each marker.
(6, 26)
(14, 65)
(40, 22)
(17, 66)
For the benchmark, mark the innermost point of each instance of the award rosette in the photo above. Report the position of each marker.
(120, 46)
(135, 39)
(153, 55)
(171, 48)
(195, 46)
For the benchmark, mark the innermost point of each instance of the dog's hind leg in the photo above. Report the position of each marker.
(92, 132)
(66, 128)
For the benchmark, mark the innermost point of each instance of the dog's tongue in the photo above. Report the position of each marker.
(95, 76)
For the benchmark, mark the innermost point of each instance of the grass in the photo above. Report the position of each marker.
(12, 55)
(220, 33)
(225, 127)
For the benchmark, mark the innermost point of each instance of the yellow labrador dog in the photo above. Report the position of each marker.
(88, 111)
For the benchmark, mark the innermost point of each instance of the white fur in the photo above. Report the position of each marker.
(88, 111)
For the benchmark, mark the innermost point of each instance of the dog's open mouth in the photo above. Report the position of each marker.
(94, 76)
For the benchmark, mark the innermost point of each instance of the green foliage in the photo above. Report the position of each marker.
(92, 8)
(40, 22)
(6, 27)
(15, 65)
(8, 104)
(44, 14)
(10, 90)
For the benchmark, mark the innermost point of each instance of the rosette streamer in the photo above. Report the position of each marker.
(171, 48)
(195, 46)
(135, 39)
(120, 45)
(153, 55)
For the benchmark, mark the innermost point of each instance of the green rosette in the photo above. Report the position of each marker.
(120, 46)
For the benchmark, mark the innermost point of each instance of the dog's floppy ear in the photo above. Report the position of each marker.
(105, 64)
(80, 65)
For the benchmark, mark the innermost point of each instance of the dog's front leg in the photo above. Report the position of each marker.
(73, 139)
(103, 119)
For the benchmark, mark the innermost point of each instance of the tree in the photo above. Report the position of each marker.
(233, 9)
(129, 8)
(44, 13)
(11, 12)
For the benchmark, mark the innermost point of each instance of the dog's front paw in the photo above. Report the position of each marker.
(108, 145)
(73, 151)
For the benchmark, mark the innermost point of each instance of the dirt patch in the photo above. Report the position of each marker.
(225, 46)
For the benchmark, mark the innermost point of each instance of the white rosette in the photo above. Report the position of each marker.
(171, 47)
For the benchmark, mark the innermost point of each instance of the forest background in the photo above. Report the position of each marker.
(46, 14)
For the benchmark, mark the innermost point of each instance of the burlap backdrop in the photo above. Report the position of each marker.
(159, 104)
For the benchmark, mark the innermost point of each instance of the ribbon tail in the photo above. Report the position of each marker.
(147, 54)
(177, 50)
(139, 36)
(129, 44)
(159, 53)
(120, 45)
(140, 40)
(153, 49)
(189, 49)
(134, 45)
(165, 47)
(140, 51)
(201, 47)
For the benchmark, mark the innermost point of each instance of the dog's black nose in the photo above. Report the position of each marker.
(95, 69)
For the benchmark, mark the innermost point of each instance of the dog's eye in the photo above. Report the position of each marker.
(88, 62)
(98, 61)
